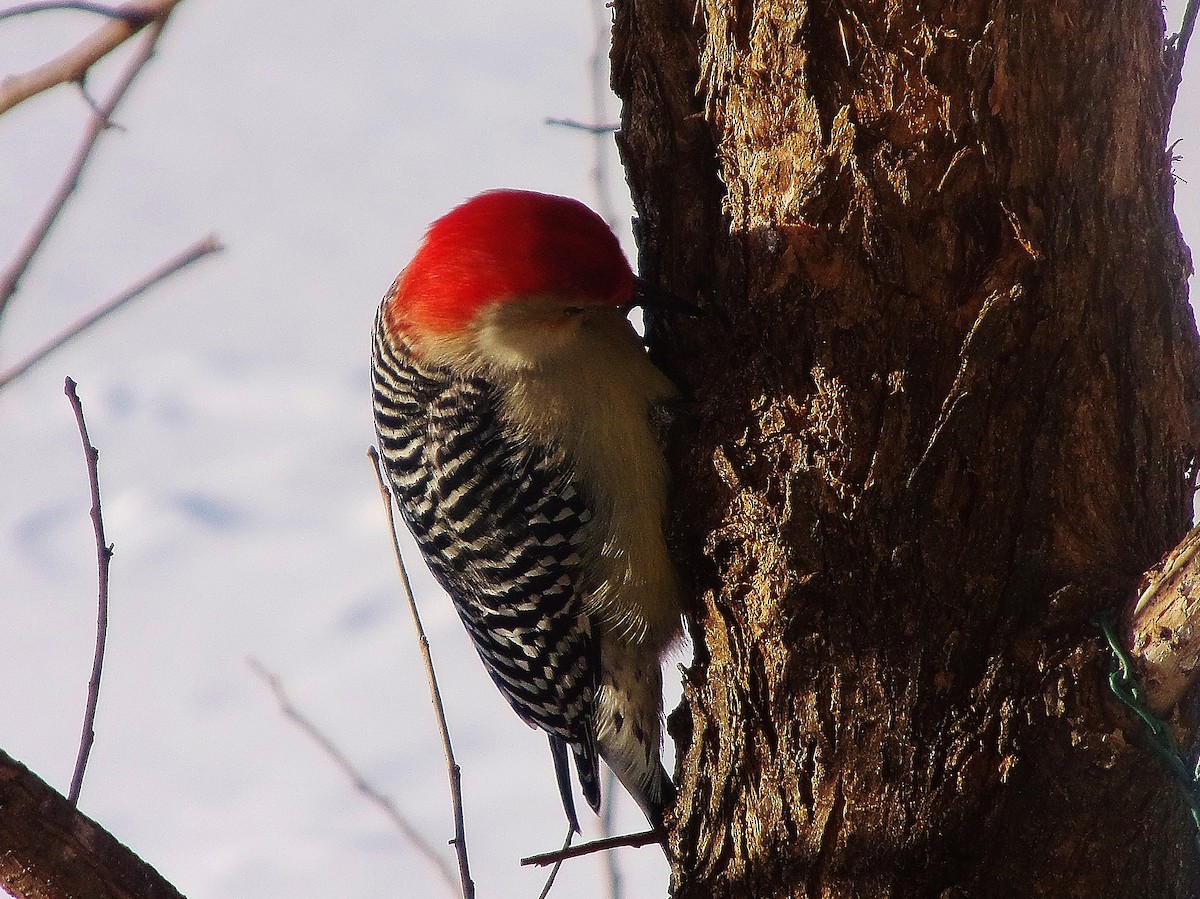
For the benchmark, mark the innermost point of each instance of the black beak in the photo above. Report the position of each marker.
(654, 298)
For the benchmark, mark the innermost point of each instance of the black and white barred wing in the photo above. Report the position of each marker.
(498, 526)
(512, 566)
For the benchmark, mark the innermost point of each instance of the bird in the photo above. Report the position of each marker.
(518, 417)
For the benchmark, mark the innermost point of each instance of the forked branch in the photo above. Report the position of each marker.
(72, 67)
(16, 88)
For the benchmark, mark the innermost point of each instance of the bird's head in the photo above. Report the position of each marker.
(511, 278)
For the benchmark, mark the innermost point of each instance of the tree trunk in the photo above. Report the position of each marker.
(945, 413)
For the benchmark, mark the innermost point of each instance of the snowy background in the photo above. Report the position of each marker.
(232, 416)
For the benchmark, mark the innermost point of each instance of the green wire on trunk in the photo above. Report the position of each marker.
(1124, 685)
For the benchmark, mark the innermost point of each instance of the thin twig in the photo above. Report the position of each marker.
(612, 868)
(1177, 46)
(360, 783)
(636, 840)
(197, 251)
(460, 835)
(557, 865)
(124, 23)
(11, 279)
(103, 555)
(598, 84)
(132, 15)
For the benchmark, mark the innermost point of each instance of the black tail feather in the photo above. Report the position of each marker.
(587, 763)
(562, 771)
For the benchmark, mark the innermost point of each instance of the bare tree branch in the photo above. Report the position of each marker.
(460, 836)
(612, 868)
(602, 140)
(11, 278)
(557, 865)
(124, 23)
(635, 840)
(407, 829)
(135, 16)
(52, 851)
(197, 251)
(602, 189)
(103, 556)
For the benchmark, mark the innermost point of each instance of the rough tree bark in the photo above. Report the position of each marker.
(946, 412)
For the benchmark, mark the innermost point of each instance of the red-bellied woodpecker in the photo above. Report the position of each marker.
(514, 406)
